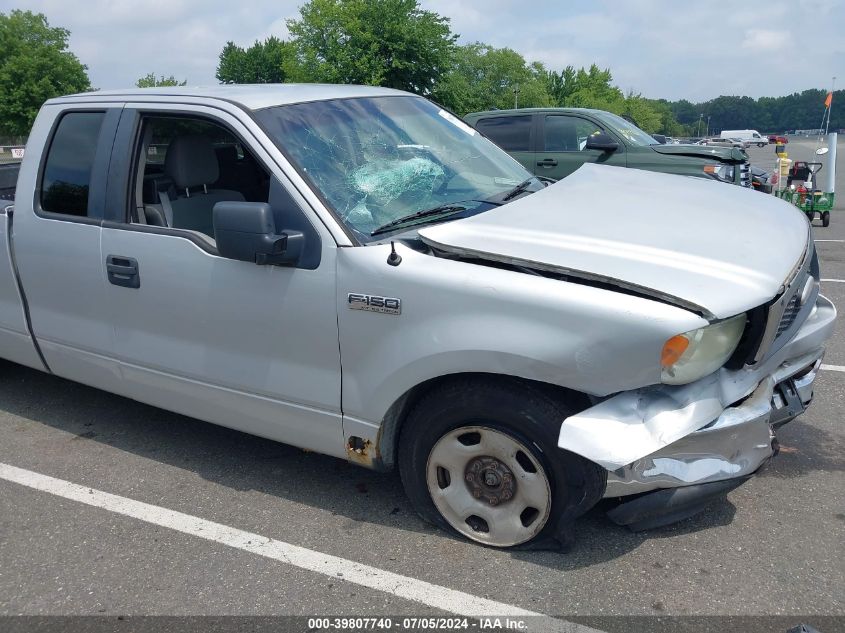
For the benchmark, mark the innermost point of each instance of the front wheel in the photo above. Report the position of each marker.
(826, 218)
(480, 457)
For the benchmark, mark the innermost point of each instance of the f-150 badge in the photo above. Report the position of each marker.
(373, 303)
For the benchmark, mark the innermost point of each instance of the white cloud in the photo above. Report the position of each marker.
(767, 40)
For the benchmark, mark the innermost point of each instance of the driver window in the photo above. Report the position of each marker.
(568, 133)
(187, 165)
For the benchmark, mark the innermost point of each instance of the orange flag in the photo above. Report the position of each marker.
(828, 99)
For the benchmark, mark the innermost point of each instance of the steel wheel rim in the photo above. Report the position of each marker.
(488, 456)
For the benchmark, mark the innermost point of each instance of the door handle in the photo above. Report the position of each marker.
(123, 271)
(547, 162)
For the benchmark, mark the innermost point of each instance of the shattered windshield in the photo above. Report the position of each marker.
(376, 160)
(634, 135)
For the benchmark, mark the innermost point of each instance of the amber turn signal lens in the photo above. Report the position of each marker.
(673, 349)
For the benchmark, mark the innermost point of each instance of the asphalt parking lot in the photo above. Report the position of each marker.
(774, 547)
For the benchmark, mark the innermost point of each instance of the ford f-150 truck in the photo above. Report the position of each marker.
(554, 142)
(356, 271)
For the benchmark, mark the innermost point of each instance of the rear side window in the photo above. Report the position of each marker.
(67, 170)
(511, 133)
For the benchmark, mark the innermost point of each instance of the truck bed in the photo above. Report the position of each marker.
(8, 181)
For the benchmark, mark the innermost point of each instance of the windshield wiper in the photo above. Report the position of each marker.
(520, 188)
(444, 209)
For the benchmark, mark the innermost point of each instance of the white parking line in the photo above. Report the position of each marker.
(426, 593)
(834, 367)
(829, 240)
(839, 281)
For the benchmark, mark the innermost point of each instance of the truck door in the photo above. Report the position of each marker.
(252, 347)
(56, 240)
(562, 146)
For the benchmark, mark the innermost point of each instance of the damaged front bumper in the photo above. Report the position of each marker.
(734, 445)
(699, 436)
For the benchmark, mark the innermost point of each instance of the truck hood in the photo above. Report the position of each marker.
(710, 247)
(702, 151)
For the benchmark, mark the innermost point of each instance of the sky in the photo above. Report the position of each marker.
(668, 49)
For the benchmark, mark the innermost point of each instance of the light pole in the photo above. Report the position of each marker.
(708, 126)
(700, 116)
(516, 96)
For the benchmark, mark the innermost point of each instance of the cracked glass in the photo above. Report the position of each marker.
(375, 160)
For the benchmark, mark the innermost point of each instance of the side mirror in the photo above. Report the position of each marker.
(601, 142)
(246, 231)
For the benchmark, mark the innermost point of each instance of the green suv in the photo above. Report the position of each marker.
(554, 142)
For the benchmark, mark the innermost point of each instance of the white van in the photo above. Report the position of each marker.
(751, 137)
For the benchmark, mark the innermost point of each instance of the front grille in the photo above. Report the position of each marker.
(789, 313)
(774, 324)
(745, 174)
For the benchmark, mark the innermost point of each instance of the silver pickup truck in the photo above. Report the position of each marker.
(355, 271)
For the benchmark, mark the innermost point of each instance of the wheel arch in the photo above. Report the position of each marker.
(387, 444)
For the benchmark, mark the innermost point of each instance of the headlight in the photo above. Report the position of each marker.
(692, 355)
(725, 173)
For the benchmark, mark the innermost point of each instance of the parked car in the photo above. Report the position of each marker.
(778, 140)
(516, 360)
(750, 137)
(718, 141)
(554, 142)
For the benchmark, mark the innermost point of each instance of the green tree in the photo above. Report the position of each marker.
(593, 89)
(483, 77)
(685, 112)
(561, 85)
(643, 113)
(270, 61)
(150, 81)
(35, 65)
(669, 125)
(391, 43)
(767, 114)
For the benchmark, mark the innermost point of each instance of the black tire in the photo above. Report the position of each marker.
(826, 219)
(523, 411)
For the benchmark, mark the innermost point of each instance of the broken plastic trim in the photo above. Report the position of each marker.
(663, 507)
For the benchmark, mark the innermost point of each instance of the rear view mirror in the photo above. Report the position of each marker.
(246, 231)
(602, 142)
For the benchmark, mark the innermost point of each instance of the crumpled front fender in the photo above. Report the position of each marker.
(633, 424)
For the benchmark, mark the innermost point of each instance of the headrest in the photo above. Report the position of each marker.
(191, 161)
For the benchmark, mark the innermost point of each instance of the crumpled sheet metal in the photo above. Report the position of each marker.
(634, 424)
(735, 445)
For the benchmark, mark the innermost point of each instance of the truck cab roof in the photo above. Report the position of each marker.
(247, 96)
